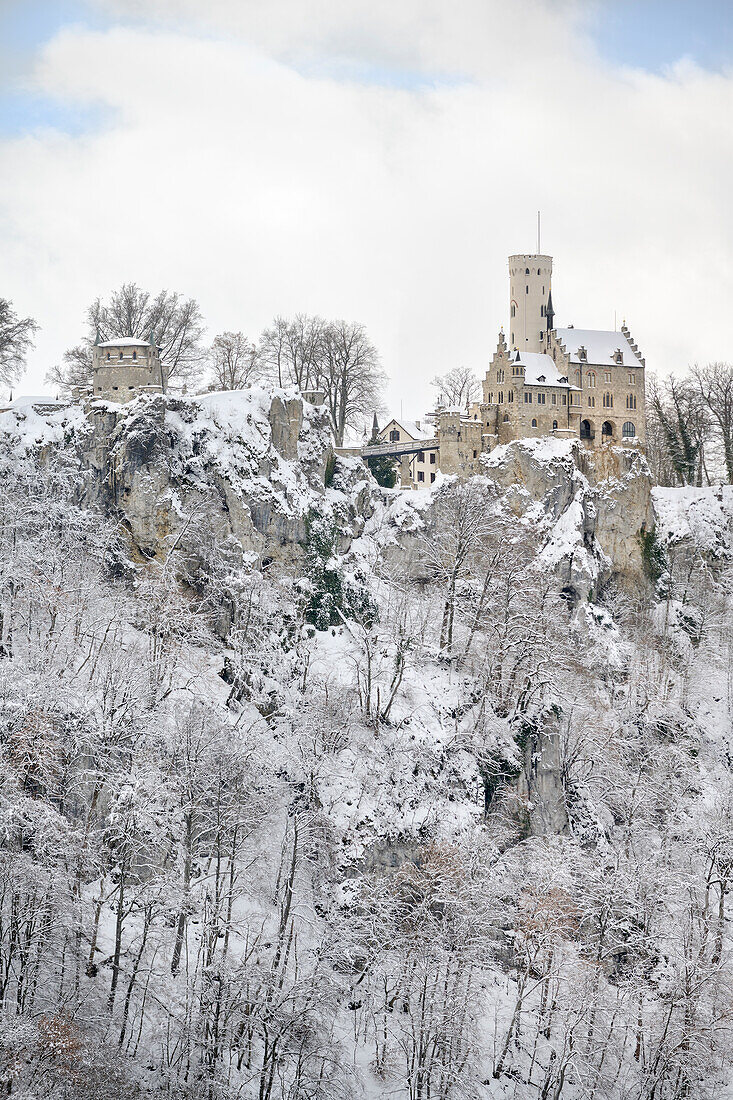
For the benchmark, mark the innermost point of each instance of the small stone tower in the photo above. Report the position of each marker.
(530, 277)
(125, 367)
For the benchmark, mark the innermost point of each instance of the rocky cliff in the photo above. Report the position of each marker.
(245, 469)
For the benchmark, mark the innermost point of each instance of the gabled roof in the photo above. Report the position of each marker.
(600, 345)
(410, 428)
(539, 369)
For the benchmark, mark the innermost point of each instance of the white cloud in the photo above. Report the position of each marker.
(230, 175)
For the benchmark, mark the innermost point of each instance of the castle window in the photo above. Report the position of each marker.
(501, 397)
(608, 401)
(554, 399)
(394, 436)
(432, 458)
(590, 379)
(421, 456)
(420, 475)
(554, 425)
(541, 398)
(575, 398)
(542, 311)
(630, 400)
(577, 377)
(538, 271)
(512, 339)
(607, 377)
(108, 355)
(534, 423)
(527, 397)
(500, 376)
(115, 387)
(134, 355)
(591, 402)
(506, 418)
(491, 398)
(432, 478)
(564, 399)
(632, 379)
(526, 289)
(121, 353)
(542, 335)
(475, 454)
(628, 431)
(514, 310)
(510, 395)
(526, 271)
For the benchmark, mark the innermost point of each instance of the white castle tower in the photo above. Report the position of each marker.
(530, 301)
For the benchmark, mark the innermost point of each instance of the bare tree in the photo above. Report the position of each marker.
(464, 527)
(175, 323)
(715, 384)
(292, 348)
(458, 388)
(16, 340)
(350, 375)
(235, 361)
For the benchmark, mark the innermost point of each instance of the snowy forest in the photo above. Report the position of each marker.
(311, 788)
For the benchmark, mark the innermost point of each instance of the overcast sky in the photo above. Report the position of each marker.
(375, 160)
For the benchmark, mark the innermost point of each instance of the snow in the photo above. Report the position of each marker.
(542, 448)
(540, 370)
(701, 516)
(33, 422)
(379, 800)
(600, 345)
(125, 342)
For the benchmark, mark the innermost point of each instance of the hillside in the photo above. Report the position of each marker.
(315, 789)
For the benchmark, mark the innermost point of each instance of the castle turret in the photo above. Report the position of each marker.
(124, 367)
(529, 298)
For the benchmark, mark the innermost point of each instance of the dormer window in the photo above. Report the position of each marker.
(618, 356)
(582, 354)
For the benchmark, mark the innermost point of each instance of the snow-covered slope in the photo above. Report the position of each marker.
(310, 789)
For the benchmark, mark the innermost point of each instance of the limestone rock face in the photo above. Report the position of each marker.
(540, 785)
(588, 506)
(242, 469)
(593, 505)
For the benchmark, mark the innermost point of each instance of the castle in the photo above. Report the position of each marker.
(565, 383)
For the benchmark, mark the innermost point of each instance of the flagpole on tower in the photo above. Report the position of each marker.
(538, 232)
